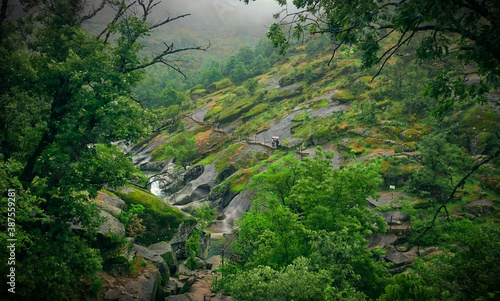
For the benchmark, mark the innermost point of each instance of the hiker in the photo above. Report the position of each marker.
(275, 142)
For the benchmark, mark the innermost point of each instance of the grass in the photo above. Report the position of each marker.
(150, 201)
(161, 220)
(226, 155)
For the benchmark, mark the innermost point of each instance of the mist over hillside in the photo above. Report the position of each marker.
(225, 24)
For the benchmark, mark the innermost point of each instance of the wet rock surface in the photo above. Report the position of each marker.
(143, 287)
(111, 225)
(203, 182)
(282, 129)
(110, 203)
(480, 207)
(381, 241)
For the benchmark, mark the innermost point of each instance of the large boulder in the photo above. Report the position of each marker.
(193, 173)
(111, 225)
(399, 258)
(148, 254)
(200, 192)
(143, 287)
(165, 250)
(178, 242)
(480, 207)
(154, 166)
(109, 202)
(395, 217)
(381, 241)
(410, 135)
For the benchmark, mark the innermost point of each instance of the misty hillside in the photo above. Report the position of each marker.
(383, 125)
(357, 164)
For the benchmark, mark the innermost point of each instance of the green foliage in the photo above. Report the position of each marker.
(409, 287)
(252, 86)
(466, 270)
(65, 96)
(182, 148)
(439, 158)
(278, 38)
(369, 113)
(193, 248)
(205, 215)
(304, 237)
(160, 220)
(130, 219)
(239, 73)
(462, 35)
(295, 282)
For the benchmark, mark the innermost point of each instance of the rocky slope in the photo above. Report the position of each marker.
(342, 111)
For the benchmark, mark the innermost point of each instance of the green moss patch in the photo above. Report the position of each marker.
(343, 96)
(319, 104)
(160, 219)
(256, 110)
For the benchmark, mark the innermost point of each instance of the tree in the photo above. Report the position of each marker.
(308, 222)
(65, 96)
(239, 73)
(440, 160)
(464, 32)
(467, 269)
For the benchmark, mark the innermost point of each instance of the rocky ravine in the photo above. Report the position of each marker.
(152, 264)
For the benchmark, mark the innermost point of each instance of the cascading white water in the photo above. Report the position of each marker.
(155, 187)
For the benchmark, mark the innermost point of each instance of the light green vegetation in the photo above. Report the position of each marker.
(66, 95)
(160, 220)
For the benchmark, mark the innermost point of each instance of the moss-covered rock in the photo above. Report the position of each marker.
(409, 146)
(235, 111)
(222, 84)
(277, 95)
(343, 96)
(356, 147)
(478, 128)
(213, 112)
(373, 142)
(492, 183)
(256, 110)
(319, 104)
(391, 130)
(198, 93)
(160, 219)
(411, 135)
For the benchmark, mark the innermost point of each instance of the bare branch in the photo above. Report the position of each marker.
(339, 45)
(93, 12)
(394, 50)
(160, 58)
(167, 21)
(119, 13)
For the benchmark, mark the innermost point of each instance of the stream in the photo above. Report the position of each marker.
(220, 229)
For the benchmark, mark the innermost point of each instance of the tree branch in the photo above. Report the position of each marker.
(118, 14)
(167, 21)
(452, 194)
(93, 12)
(160, 58)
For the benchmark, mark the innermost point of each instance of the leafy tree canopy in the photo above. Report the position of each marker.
(64, 98)
(305, 237)
(463, 36)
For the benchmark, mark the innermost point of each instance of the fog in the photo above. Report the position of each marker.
(227, 24)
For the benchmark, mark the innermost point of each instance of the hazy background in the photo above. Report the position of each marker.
(226, 24)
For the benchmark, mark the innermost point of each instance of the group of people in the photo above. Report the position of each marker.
(275, 141)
